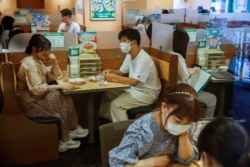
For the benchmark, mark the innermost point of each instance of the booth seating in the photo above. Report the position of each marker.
(23, 141)
(166, 64)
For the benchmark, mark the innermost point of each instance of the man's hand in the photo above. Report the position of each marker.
(110, 77)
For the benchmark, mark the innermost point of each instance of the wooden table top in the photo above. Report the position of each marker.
(91, 86)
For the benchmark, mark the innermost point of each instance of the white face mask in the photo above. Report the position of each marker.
(176, 129)
(172, 128)
(125, 47)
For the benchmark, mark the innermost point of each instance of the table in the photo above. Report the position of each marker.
(194, 164)
(222, 91)
(91, 88)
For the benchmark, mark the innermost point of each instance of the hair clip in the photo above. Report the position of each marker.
(180, 93)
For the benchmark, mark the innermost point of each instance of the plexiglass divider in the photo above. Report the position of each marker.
(162, 36)
(191, 17)
(69, 40)
(109, 40)
(19, 42)
(128, 19)
(147, 11)
(172, 18)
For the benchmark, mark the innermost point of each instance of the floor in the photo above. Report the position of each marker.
(88, 155)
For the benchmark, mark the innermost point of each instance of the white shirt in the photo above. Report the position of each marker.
(73, 27)
(183, 72)
(143, 69)
(140, 27)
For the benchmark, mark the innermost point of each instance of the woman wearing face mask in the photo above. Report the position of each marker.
(137, 70)
(161, 137)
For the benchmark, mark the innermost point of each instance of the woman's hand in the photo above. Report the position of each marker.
(52, 57)
(68, 86)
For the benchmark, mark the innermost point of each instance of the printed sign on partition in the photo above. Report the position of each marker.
(56, 39)
(191, 34)
(213, 38)
(87, 41)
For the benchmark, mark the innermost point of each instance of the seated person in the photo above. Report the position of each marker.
(144, 25)
(161, 137)
(40, 99)
(67, 24)
(8, 22)
(137, 70)
(183, 77)
(224, 143)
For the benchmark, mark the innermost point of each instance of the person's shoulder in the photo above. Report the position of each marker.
(28, 63)
(145, 120)
(144, 55)
(62, 23)
(75, 23)
(28, 60)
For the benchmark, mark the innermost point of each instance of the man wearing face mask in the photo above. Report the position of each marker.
(137, 70)
(163, 136)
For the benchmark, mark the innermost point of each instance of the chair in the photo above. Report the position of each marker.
(22, 141)
(110, 136)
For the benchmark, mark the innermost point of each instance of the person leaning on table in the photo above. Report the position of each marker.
(39, 98)
(224, 143)
(67, 24)
(161, 137)
(137, 70)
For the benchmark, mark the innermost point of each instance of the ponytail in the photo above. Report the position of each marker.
(28, 49)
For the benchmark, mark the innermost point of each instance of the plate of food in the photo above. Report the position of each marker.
(77, 81)
(88, 47)
(94, 78)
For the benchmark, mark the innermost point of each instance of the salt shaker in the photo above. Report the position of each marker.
(101, 79)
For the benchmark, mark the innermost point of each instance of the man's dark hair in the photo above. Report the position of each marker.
(131, 34)
(66, 12)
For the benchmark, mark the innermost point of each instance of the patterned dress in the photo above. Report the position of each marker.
(144, 139)
(38, 98)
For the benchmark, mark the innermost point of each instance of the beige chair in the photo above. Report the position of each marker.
(110, 136)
